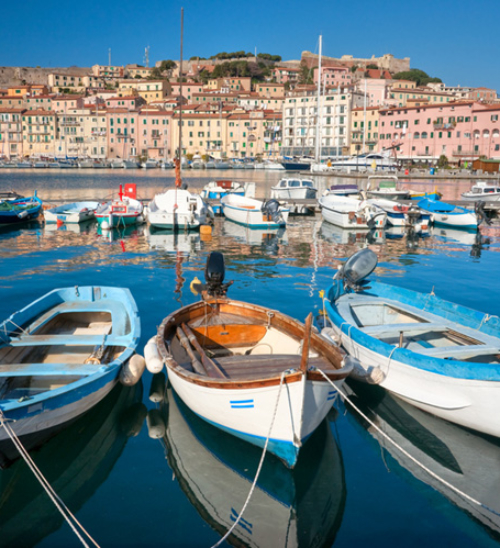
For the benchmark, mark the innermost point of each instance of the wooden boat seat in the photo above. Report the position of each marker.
(458, 352)
(48, 369)
(407, 328)
(266, 365)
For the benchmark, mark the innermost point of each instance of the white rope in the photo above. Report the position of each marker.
(250, 493)
(58, 502)
(408, 455)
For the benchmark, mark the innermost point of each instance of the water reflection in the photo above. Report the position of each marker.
(170, 241)
(75, 462)
(467, 461)
(215, 470)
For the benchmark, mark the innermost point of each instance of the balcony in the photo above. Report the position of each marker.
(446, 126)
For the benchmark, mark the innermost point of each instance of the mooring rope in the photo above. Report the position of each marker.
(58, 502)
(250, 493)
(408, 455)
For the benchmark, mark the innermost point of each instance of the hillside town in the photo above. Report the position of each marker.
(365, 105)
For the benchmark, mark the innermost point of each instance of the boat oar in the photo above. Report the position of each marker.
(306, 343)
(211, 368)
(187, 347)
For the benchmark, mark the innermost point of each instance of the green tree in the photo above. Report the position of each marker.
(418, 76)
(372, 66)
(443, 161)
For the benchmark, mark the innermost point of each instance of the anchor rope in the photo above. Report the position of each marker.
(56, 499)
(259, 468)
(407, 454)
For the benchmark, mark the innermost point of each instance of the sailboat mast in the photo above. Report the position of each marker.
(180, 92)
(318, 122)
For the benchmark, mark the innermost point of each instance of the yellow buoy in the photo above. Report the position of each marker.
(205, 229)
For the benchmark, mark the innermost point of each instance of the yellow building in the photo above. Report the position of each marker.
(402, 96)
(230, 84)
(39, 133)
(149, 90)
(364, 130)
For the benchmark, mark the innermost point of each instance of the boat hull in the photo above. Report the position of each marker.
(463, 392)
(248, 212)
(71, 213)
(350, 213)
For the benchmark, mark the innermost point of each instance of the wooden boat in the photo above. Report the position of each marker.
(215, 471)
(295, 189)
(386, 188)
(178, 209)
(444, 214)
(351, 213)
(439, 356)
(399, 214)
(62, 354)
(483, 191)
(20, 210)
(77, 212)
(120, 213)
(216, 190)
(254, 213)
(229, 361)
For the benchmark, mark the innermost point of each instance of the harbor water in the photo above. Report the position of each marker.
(141, 470)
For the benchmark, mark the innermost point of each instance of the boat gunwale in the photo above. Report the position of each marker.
(280, 321)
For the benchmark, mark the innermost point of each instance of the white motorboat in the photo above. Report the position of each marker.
(178, 209)
(150, 163)
(399, 214)
(216, 190)
(379, 186)
(130, 163)
(295, 189)
(351, 213)
(254, 213)
(445, 214)
(483, 191)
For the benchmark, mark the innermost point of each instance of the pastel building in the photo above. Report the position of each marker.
(254, 133)
(364, 130)
(333, 76)
(39, 132)
(122, 132)
(154, 133)
(11, 132)
(460, 130)
(284, 75)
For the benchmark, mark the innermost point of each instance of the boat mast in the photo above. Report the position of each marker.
(318, 121)
(178, 178)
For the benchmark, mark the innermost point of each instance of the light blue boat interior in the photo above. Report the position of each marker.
(429, 303)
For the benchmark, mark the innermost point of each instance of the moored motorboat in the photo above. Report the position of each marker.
(216, 190)
(399, 214)
(248, 369)
(484, 191)
(436, 355)
(296, 189)
(351, 213)
(444, 214)
(76, 212)
(123, 211)
(62, 354)
(386, 187)
(254, 213)
(343, 190)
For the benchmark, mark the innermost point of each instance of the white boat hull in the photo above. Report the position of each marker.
(350, 213)
(248, 212)
(248, 413)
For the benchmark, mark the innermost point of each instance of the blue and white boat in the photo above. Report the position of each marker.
(62, 354)
(400, 214)
(444, 214)
(254, 213)
(20, 210)
(438, 356)
(77, 212)
(250, 370)
(216, 190)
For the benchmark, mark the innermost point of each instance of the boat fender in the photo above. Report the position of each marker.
(371, 375)
(105, 225)
(22, 214)
(154, 363)
(156, 424)
(132, 419)
(157, 390)
(140, 219)
(131, 371)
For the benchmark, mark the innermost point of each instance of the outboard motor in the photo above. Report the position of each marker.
(214, 275)
(481, 213)
(271, 208)
(358, 267)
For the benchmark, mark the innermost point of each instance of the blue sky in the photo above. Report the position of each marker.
(454, 40)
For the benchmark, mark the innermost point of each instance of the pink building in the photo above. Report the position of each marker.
(333, 76)
(154, 133)
(282, 75)
(461, 130)
(63, 103)
(122, 132)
